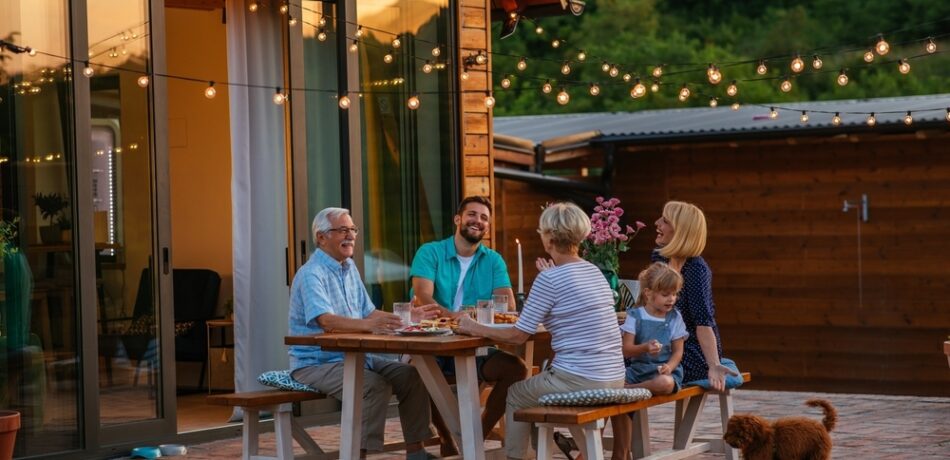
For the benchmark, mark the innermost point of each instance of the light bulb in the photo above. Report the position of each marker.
(638, 90)
(816, 62)
(713, 102)
(427, 67)
(210, 92)
(522, 64)
(931, 46)
(506, 82)
(322, 22)
(786, 85)
(627, 77)
(658, 71)
(797, 64)
(773, 114)
(555, 43)
(322, 36)
(836, 120)
(539, 30)
(581, 55)
(489, 101)
(908, 119)
(284, 8)
(30, 51)
(142, 81)
(804, 117)
(594, 89)
(868, 56)
(292, 21)
(566, 68)
(436, 51)
(359, 31)
(344, 102)
(546, 88)
(842, 78)
(732, 89)
(463, 76)
(279, 97)
(872, 120)
(655, 86)
(713, 74)
(481, 58)
(614, 71)
(761, 69)
(605, 66)
(413, 103)
(882, 47)
(563, 98)
(252, 7)
(88, 71)
(388, 58)
(396, 42)
(354, 47)
(684, 93)
(904, 67)
(735, 106)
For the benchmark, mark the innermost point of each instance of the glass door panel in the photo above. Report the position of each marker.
(39, 318)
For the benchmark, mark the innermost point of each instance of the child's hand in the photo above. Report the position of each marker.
(654, 347)
(664, 369)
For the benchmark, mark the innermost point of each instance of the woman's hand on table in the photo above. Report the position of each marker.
(384, 322)
(717, 376)
(543, 264)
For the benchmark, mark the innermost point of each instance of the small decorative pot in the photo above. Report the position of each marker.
(9, 425)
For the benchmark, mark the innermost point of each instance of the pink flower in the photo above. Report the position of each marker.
(640, 225)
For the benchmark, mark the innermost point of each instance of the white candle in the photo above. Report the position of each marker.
(520, 269)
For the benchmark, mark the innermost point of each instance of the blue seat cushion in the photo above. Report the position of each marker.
(283, 381)
(597, 397)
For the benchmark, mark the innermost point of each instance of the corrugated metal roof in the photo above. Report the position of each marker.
(726, 123)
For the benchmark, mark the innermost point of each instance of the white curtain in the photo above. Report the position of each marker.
(258, 193)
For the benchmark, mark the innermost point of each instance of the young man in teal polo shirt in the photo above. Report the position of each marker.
(457, 271)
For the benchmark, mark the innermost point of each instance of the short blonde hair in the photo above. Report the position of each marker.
(566, 224)
(658, 277)
(689, 230)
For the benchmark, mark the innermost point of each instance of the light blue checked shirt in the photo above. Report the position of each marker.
(324, 285)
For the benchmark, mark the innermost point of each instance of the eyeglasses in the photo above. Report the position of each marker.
(345, 230)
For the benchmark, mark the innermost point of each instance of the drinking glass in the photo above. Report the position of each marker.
(485, 312)
(404, 310)
(501, 303)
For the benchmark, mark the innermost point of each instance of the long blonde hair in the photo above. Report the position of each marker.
(658, 277)
(689, 230)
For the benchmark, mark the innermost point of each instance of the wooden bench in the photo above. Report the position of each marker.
(585, 423)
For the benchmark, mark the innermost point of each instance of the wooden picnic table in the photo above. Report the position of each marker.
(461, 414)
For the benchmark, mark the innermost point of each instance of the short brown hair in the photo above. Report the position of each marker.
(482, 200)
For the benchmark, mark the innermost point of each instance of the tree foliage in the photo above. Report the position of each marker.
(686, 35)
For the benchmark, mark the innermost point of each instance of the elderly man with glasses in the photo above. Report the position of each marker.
(328, 295)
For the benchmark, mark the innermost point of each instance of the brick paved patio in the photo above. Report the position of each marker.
(869, 426)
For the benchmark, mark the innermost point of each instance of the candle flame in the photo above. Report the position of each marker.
(516, 241)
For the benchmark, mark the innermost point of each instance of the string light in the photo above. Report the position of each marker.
(713, 102)
(354, 46)
(210, 92)
(388, 57)
(836, 120)
(284, 8)
(627, 77)
(359, 31)
(908, 119)
(605, 66)
(713, 74)
(581, 56)
(292, 21)
(931, 46)
(797, 64)
(322, 22)
(344, 102)
(903, 66)
(761, 69)
(539, 30)
(30, 51)
(786, 85)
(773, 114)
(594, 89)
(872, 120)
(279, 97)
(506, 82)
(427, 67)
(684, 93)
(322, 35)
(142, 81)
(816, 62)
(463, 76)
(882, 47)
(655, 86)
(87, 70)
(842, 78)
(562, 97)
(396, 43)
(732, 89)
(868, 56)
(481, 58)
(614, 71)
(555, 43)
(489, 101)
(735, 106)
(658, 71)
(638, 90)
(566, 68)
(804, 117)
(522, 64)
(437, 51)
(546, 88)
(252, 7)
(413, 102)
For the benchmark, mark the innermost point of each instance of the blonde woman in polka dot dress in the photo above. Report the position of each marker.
(681, 238)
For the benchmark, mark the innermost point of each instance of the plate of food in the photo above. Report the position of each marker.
(509, 318)
(420, 330)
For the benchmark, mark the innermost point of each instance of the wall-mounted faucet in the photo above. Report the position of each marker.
(863, 206)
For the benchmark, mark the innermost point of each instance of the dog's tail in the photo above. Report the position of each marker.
(831, 415)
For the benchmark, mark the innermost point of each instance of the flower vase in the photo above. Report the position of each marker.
(614, 281)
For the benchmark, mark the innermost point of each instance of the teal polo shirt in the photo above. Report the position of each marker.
(438, 262)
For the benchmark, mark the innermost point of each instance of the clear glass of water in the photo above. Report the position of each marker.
(485, 312)
(404, 310)
(501, 303)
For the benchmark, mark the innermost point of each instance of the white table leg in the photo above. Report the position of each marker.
(440, 392)
(466, 382)
(351, 426)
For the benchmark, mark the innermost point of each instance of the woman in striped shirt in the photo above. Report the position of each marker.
(573, 301)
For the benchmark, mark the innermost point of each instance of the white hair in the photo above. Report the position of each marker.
(321, 222)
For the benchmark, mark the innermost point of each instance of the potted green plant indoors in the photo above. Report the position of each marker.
(51, 207)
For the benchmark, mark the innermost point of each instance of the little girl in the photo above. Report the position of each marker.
(653, 334)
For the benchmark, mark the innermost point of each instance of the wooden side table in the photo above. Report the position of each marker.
(220, 355)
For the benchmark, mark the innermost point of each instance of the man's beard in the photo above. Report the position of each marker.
(474, 239)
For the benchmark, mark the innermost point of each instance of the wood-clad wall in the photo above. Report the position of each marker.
(785, 256)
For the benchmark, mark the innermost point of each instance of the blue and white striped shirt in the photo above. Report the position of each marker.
(575, 304)
(324, 285)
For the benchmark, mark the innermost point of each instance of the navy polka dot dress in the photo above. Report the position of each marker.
(695, 303)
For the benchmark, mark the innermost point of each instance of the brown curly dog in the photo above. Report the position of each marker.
(789, 438)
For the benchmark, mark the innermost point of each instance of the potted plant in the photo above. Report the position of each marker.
(608, 239)
(51, 206)
(9, 425)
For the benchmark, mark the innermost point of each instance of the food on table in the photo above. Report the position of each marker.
(506, 318)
